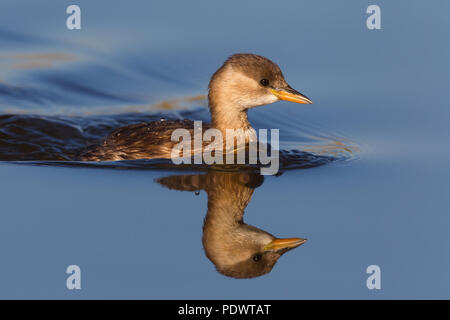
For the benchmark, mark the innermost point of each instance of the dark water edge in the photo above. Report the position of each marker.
(288, 161)
(58, 140)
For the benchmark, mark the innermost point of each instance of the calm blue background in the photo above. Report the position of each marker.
(385, 90)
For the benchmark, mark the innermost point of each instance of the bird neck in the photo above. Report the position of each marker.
(226, 204)
(229, 118)
(227, 115)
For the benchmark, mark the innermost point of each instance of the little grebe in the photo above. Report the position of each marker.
(244, 81)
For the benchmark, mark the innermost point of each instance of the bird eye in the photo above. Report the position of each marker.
(257, 257)
(264, 82)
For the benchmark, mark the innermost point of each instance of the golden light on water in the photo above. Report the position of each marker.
(179, 103)
(183, 103)
(332, 147)
(26, 61)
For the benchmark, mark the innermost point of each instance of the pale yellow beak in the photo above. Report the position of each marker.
(291, 95)
(281, 244)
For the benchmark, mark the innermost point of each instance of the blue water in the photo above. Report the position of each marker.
(379, 95)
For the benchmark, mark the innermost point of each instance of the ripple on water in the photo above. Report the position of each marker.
(56, 140)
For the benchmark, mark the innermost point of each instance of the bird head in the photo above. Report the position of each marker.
(245, 81)
(248, 252)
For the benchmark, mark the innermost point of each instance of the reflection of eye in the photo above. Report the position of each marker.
(264, 82)
(257, 257)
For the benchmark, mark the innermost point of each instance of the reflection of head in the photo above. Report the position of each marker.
(237, 250)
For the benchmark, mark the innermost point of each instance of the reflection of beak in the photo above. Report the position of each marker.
(290, 94)
(284, 244)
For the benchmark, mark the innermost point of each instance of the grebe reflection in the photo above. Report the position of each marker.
(236, 249)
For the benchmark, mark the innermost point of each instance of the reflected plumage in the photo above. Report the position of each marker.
(243, 82)
(236, 249)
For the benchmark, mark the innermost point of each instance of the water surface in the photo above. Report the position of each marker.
(380, 112)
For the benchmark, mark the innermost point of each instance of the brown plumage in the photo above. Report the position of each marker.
(244, 81)
(138, 141)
